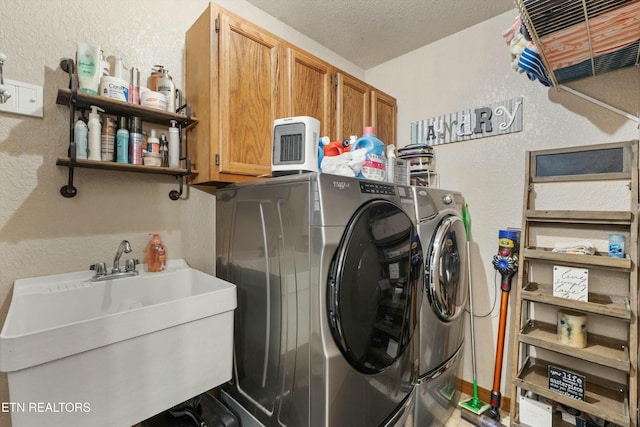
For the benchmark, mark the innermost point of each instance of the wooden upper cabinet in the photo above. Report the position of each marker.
(310, 89)
(240, 78)
(353, 100)
(234, 83)
(384, 113)
(250, 81)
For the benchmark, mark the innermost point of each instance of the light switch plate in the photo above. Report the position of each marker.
(26, 99)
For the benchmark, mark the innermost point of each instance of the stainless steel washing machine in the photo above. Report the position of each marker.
(443, 238)
(328, 272)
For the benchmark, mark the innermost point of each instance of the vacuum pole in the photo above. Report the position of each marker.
(506, 263)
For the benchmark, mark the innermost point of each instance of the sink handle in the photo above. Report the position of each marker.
(100, 268)
(130, 264)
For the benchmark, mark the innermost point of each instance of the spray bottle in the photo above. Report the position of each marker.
(122, 141)
(135, 141)
(94, 147)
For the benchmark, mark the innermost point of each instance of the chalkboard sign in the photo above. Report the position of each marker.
(566, 382)
(581, 162)
(589, 162)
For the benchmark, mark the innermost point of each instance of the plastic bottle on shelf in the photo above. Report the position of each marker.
(122, 141)
(153, 143)
(164, 151)
(375, 163)
(156, 74)
(135, 141)
(80, 133)
(108, 137)
(391, 158)
(174, 146)
(156, 254)
(166, 87)
(105, 67)
(118, 67)
(94, 146)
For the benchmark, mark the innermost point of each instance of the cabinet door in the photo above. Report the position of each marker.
(352, 107)
(383, 116)
(250, 82)
(310, 89)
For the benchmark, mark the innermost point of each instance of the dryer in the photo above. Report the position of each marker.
(328, 272)
(443, 238)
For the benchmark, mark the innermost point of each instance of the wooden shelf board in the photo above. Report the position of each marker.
(599, 260)
(120, 108)
(581, 217)
(607, 305)
(601, 350)
(123, 167)
(603, 398)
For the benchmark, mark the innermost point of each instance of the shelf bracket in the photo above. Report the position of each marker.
(600, 103)
(176, 194)
(68, 66)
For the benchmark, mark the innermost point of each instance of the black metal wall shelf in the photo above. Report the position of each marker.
(75, 101)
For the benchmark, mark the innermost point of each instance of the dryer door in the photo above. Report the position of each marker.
(373, 286)
(445, 273)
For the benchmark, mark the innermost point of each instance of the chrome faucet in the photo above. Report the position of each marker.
(130, 265)
(125, 246)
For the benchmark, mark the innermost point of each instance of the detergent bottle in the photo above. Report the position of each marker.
(375, 163)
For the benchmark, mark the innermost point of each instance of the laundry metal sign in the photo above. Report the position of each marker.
(496, 119)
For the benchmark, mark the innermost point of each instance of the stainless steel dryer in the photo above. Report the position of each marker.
(443, 238)
(328, 272)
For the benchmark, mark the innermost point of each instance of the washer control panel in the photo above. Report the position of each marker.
(375, 188)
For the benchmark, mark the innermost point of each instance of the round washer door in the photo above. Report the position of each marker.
(373, 291)
(445, 274)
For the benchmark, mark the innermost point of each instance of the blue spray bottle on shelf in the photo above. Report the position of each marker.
(375, 162)
(122, 141)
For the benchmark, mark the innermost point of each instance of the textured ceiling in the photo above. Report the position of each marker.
(370, 32)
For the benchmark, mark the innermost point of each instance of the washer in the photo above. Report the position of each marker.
(443, 238)
(328, 272)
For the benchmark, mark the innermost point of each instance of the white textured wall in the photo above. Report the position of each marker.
(40, 231)
(471, 69)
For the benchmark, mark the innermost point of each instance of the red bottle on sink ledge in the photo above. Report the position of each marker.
(156, 254)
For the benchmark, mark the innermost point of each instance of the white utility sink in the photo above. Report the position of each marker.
(118, 351)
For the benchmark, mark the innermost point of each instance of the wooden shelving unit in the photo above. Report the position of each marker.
(612, 297)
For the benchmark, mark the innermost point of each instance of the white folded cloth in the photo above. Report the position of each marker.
(584, 247)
